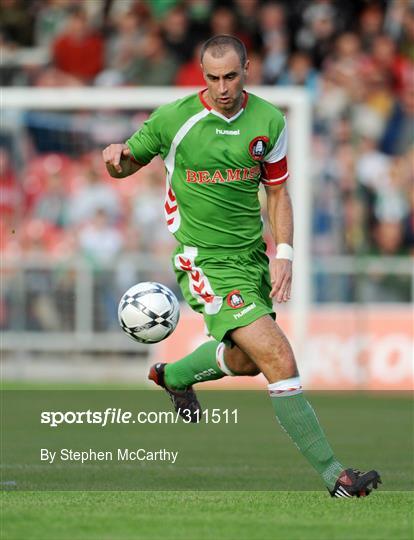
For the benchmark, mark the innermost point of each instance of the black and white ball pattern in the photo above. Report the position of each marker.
(148, 312)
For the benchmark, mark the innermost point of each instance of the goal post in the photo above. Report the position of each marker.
(295, 100)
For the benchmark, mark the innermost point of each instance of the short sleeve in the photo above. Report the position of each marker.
(274, 166)
(146, 142)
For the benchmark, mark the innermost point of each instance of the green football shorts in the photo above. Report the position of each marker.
(229, 290)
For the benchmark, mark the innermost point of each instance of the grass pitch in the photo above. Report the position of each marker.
(205, 516)
(365, 430)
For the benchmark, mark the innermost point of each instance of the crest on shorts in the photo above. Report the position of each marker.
(235, 299)
(258, 146)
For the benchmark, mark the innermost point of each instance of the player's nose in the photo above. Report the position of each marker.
(222, 87)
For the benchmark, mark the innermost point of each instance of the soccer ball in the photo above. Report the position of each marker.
(148, 312)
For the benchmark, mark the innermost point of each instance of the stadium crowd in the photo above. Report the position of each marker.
(355, 58)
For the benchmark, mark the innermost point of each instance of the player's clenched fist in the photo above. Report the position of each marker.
(113, 154)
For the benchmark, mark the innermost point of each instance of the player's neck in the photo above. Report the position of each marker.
(228, 113)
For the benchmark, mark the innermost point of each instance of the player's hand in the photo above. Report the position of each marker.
(113, 154)
(281, 279)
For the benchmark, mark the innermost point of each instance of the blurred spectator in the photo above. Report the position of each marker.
(160, 7)
(223, 20)
(392, 198)
(355, 240)
(10, 189)
(255, 73)
(99, 240)
(16, 22)
(51, 21)
(386, 287)
(79, 49)
(388, 237)
(326, 221)
(190, 74)
(37, 172)
(395, 14)
(345, 65)
(332, 102)
(101, 244)
(153, 66)
(408, 222)
(37, 237)
(178, 34)
(342, 167)
(40, 311)
(146, 214)
(372, 166)
(199, 11)
(122, 46)
(96, 194)
(388, 181)
(272, 29)
(247, 15)
(126, 273)
(407, 39)
(318, 30)
(399, 133)
(384, 58)
(371, 22)
(301, 73)
(376, 102)
(118, 8)
(51, 205)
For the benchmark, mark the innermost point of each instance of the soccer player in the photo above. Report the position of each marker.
(218, 146)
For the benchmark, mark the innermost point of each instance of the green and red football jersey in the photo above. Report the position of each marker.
(214, 167)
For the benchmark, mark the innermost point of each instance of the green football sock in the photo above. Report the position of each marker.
(200, 365)
(298, 419)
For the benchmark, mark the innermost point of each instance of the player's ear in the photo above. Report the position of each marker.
(202, 71)
(246, 67)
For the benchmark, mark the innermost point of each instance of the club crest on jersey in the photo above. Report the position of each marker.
(235, 299)
(257, 147)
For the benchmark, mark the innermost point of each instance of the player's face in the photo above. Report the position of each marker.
(225, 79)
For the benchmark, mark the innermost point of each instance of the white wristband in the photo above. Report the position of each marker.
(284, 251)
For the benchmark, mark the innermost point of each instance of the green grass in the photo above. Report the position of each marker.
(367, 430)
(205, 516)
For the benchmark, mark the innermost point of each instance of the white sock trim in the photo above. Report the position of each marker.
(287, 387)
(220, 360)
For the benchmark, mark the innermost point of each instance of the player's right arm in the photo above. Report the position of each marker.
(124, 159)
(119, 161)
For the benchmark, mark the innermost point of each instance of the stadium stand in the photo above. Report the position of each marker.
(355, 58)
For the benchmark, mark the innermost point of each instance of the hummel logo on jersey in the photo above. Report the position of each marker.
(227, 132)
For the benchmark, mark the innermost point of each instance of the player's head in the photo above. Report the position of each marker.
(225, 65)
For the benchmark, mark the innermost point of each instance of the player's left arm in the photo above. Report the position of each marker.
(280, 213)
